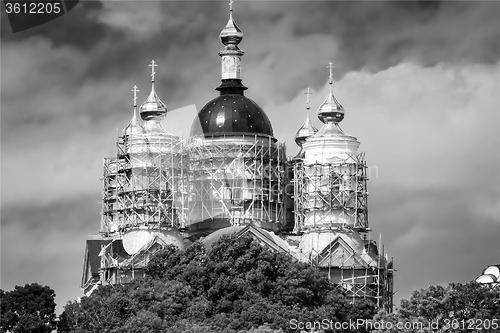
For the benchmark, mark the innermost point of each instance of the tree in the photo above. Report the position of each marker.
(239, 286)
(28, 309)
(455, 308)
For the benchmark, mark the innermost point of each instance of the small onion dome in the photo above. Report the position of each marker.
(153, 106)
(231, 34)
(134, 127)
(305, 131)
(231, 114)
(331, 110)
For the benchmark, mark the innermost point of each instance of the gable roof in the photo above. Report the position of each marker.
(346, 250)
(269, 239)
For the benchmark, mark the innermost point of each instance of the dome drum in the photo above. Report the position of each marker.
(235, 179)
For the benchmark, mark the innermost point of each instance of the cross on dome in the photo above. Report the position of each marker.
(153, 65)
(231, 5)
(308, 92)
(135, 90)
(331, 67)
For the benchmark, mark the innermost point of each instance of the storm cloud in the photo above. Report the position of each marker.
(419, 81)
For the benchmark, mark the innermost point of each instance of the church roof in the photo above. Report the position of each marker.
(269, 238)
(231, 114)
(347, 250)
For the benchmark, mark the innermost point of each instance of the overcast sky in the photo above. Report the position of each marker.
(420, 82)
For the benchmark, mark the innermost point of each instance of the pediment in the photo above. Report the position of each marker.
(262, 236)
(338, 254)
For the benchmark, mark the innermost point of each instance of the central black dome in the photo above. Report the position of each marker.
(231, 113)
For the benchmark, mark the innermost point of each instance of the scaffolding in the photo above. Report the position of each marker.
(331, 215)
(145, 185)
(235, 180)
(331, 195)
(118, 267)
(368, 281)
(202, 184)
(352, 263)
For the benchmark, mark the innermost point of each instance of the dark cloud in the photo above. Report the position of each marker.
(79, 28)
(373, 35)
(435, 241)
(200, 20)
(116, 53)
(376, 35)
(66, 88)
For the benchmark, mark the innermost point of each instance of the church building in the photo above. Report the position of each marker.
(231, 176)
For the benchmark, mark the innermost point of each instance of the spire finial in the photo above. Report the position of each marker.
(308, 92)
(153, 65)
(331, 67)
(231, 55)
(135, 90)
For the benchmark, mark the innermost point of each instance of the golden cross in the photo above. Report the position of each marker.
(331, 67)
(153, 65)
(135, 90)
(308, 92)
(231, 5)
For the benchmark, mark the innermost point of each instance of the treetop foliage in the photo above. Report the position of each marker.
(238, 286)
(457, 308)
(28, 309)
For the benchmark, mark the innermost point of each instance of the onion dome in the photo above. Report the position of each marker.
(153, 106)
(231, 34)
(330, 144)
(307, 129)
(135, 125)
(331, 110)
(231, 113)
